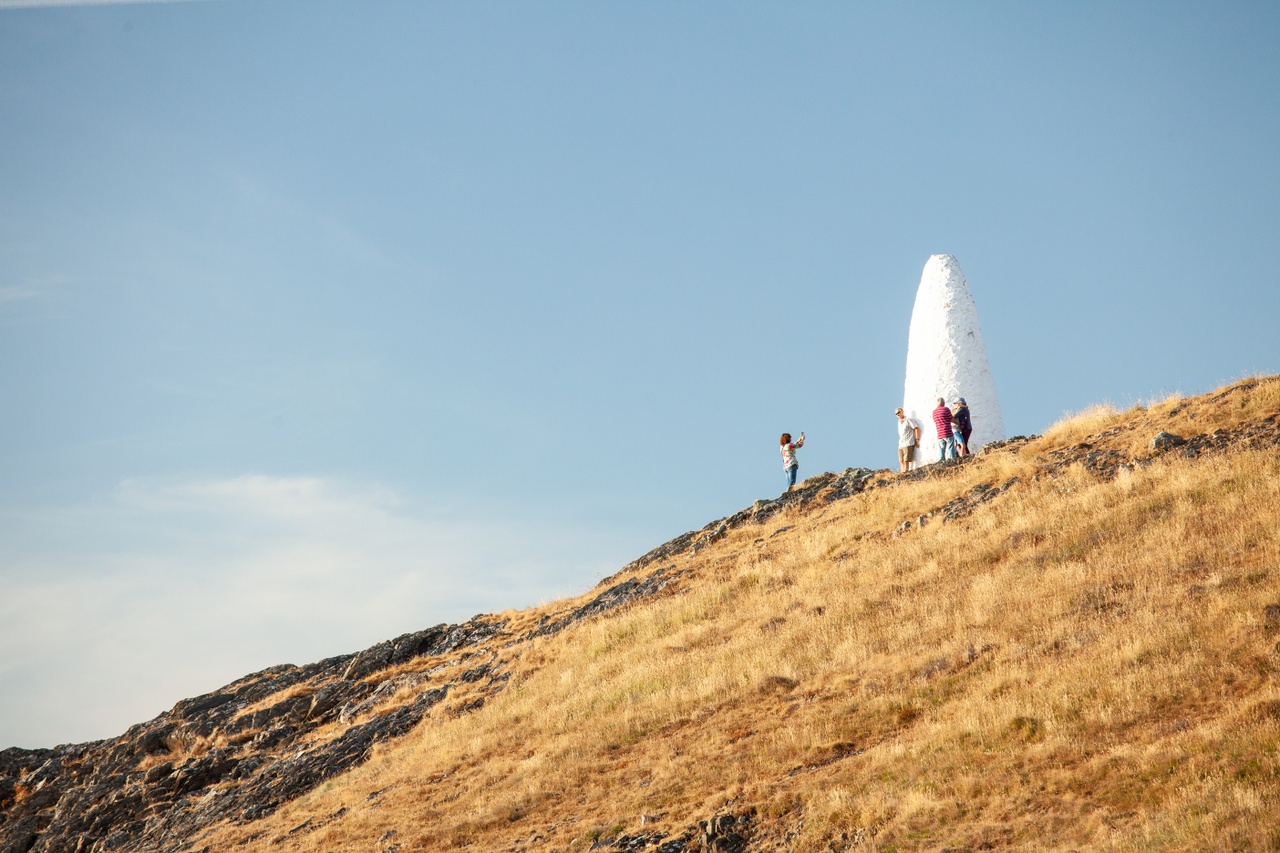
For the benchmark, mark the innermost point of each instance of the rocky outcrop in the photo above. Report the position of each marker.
(821, 488)
(960, 506)
(624, 592)
(237, 753)
(725, 833)
(240, 752)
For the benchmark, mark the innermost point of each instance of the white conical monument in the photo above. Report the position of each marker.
(946, 358)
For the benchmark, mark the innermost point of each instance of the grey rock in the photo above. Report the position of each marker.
(615, 596)
(334, 696)
(155, 774)
(1166, 440)
(20, 836)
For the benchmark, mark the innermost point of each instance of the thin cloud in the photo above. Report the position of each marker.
(31, 289)
(171, 588)
(14, 294)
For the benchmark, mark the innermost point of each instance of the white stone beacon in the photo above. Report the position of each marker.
(946, 358)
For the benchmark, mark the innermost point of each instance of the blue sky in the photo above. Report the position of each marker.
(321, 322)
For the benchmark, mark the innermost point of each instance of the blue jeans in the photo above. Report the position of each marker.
(947, 448)
(790, 474)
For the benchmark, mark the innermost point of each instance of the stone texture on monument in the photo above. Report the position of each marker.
(946, 358)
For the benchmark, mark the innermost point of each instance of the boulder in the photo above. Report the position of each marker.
(1165, 440)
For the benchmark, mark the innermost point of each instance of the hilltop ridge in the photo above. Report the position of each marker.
(1065, 641)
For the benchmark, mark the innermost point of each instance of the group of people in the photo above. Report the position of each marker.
(954, 426)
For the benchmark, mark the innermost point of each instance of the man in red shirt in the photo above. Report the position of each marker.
(946, 439)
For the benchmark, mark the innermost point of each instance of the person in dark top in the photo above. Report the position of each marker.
(965, 422)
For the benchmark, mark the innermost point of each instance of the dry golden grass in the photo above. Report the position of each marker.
(1075, 426)
(1244, 400)
(1080, 664)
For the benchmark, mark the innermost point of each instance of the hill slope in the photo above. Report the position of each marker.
(1065, 642)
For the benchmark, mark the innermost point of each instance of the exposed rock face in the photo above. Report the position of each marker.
(947, 358)
(725, 833)
(823, 488)
(238, 753)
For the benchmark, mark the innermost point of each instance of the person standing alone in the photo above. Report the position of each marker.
(789, 464)
(942, 422)
(908, 438)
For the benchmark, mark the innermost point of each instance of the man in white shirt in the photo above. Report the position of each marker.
(908, 438)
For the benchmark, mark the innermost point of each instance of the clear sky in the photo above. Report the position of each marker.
(325, 321)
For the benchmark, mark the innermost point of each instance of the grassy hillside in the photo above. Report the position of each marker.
(1061, 644)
